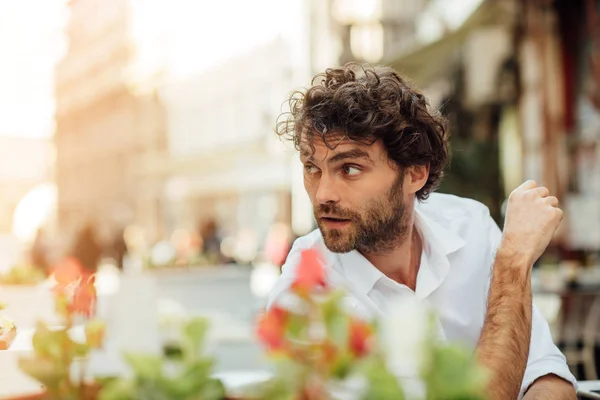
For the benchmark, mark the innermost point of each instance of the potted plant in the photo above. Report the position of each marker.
(58, 361)
(319, 348)
(321, 351)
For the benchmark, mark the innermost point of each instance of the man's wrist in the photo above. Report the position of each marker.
(510, 259)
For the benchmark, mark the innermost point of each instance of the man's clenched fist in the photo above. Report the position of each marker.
(532, 217)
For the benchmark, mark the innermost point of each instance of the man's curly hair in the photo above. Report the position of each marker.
(366, 104)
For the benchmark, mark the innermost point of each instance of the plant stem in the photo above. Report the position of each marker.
(66, 353)
(82, 374)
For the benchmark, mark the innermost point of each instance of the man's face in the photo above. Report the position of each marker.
(357, 196)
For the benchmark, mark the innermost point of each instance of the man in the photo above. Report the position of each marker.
(373, 154)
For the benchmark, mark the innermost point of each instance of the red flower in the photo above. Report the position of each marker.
(75, 286)
(360, 338)
(67, 272)
(310, 273)
(84, 298)
(271, 328)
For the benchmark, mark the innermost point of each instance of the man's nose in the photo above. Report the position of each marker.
(326, 192)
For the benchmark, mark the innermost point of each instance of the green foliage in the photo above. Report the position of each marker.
(185, 376)
(326, 347)
(382, 384)
(453, 374)
(50, 364)
(323, 345)
(23, 275)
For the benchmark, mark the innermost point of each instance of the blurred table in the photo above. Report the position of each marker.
(589, 390)
(27, 304)
(13, 382)
(561, 281)
(552, 292)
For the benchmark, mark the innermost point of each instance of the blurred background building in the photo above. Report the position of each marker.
(516, 80)
(163, 110)
(20, 176)
(104, 127)
(144, 135)
(224, 162)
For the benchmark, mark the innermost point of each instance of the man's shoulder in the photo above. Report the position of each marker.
(447, 207)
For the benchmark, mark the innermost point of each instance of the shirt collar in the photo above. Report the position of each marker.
(439, 240)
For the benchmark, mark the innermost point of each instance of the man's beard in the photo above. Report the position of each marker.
(378, 228)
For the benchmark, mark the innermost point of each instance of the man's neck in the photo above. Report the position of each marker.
(402, 263)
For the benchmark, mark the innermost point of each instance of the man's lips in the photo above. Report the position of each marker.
(333, 218)
(332, 222)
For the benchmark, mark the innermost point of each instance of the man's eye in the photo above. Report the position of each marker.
(351, 170)
(311, 169)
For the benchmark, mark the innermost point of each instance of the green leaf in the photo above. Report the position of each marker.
(337, 322)
(193, 377)
(453, 374)
(279, 389)
(44, 371)
(81, 349)
(94, 333)
(342, 365)
(212, 389)
(194, 333)
(332, 305)
(382, 384)
(338, 330)
(195, 329)
(145, 367)
(297, 327)
(53, 344)
(118, 389)
(62, 305)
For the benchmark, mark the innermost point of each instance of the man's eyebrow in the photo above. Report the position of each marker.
(354, 153)
(344, 155)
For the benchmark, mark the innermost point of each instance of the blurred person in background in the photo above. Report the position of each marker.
(39, 251)
(87, 248)
(118, 248)
(211, 242)
(373, 154)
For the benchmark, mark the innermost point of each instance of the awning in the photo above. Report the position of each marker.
(426, 63)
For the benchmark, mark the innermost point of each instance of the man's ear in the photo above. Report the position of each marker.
(415, 178)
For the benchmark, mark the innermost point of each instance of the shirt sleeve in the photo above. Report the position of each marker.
(544, 357)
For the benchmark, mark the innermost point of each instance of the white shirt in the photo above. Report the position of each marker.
(459, 244)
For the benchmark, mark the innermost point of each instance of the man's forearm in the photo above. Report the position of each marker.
(551, 387)
(504, 343)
